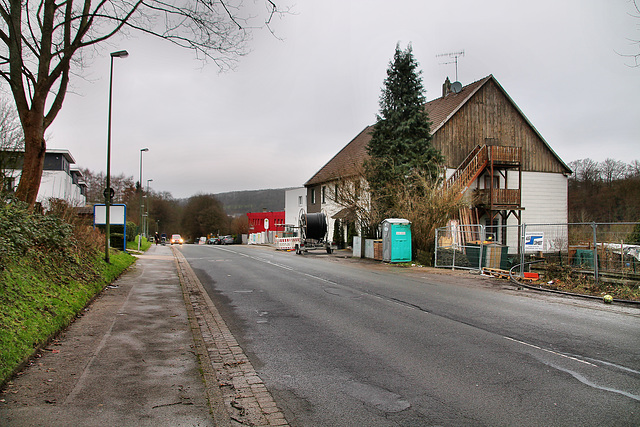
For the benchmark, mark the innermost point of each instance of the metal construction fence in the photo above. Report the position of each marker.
(595, 249)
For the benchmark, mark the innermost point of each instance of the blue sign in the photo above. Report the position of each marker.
(534, 242)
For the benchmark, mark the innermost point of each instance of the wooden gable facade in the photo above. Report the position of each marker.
(488, 145)
(482, 113)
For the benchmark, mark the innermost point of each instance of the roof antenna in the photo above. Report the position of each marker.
(455, 56)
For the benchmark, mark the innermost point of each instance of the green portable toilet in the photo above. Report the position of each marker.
(396, 240)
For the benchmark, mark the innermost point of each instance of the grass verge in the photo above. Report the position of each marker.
(41, 297)
(144, 244)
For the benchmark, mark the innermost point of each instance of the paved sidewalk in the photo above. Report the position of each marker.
(130, 360)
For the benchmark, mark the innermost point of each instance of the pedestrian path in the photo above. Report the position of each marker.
(129, 360)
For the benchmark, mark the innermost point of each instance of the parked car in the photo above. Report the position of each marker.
(177, 239)
(227, 240)
(213, 241)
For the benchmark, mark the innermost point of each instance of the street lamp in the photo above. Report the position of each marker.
(107, 191)
(142, 150)
(146, 216)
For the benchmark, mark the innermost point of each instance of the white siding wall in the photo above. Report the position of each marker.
(545, 197)
(330, 208)
(77, 198)
(55, 184)
(293, 204)
(59, 185)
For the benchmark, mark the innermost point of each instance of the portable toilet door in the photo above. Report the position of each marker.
(396, 240)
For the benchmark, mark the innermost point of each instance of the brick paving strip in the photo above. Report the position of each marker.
(235, 391)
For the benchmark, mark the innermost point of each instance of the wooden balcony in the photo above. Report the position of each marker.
(501, 198)
(508, 156)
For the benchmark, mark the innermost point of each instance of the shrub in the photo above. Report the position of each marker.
(50, 267)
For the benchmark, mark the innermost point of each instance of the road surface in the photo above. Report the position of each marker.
(341, 342)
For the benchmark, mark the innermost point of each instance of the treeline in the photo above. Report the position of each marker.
(240, 202)
(607, 191)
(196, 216)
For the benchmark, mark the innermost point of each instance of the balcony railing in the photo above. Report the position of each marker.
(500, 196)
(505, 155)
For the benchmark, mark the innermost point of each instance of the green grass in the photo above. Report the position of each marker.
(144, 244)
(40, 297)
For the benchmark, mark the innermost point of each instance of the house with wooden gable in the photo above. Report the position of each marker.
(496, 161)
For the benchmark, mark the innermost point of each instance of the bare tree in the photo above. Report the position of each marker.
(203, 214)
(240, 225)
(42, 40)
(428, 204)
(11, 143)
(10, 131)
(635, 56)
(612, 170)
(124, 187)
(95, 185)
(165, 212)
(350, 190)
(585, 170)
(633, 170)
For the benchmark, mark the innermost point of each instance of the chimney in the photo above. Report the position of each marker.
(446, 87)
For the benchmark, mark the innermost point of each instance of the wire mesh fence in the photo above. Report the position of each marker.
(599, 250)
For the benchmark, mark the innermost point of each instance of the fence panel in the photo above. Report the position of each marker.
(459, 246)
(598, 250)
(617, 249)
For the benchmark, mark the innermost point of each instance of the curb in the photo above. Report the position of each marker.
(235, 391)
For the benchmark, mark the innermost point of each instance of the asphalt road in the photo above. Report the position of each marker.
(345, 343)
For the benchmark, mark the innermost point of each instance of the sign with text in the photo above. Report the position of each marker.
(533, 242)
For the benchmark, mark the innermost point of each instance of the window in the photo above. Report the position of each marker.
(313, 196)
(299, 200)
(324, 194)
(487, 182)
(8, 184)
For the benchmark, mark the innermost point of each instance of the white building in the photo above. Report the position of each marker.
(59, 180)
(295, 204)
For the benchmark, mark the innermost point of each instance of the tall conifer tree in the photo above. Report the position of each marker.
(400, 147)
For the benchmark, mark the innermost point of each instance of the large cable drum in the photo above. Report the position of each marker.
(316, 225)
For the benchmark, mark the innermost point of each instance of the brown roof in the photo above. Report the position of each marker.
(346, 161)
(440, 111)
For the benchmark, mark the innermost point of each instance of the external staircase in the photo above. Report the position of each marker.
(468, 171)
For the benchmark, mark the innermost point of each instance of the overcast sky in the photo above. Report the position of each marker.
(293, 102)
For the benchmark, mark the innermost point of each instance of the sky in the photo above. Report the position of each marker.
(298, 97)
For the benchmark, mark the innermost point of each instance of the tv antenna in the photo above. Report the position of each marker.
(454, 56)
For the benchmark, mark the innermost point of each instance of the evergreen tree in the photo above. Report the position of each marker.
(400, 147)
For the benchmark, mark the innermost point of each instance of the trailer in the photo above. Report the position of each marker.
(313, 233)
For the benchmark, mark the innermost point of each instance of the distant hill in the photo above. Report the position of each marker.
(241, 202)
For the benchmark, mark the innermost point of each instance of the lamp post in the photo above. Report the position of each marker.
(142, 150)
(107, 191)
(146, 206)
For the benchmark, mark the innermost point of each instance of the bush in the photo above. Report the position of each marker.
(132, 231)
(51, 266)
(23, 232)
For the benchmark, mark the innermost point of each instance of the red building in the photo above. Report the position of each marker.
(265, 221)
